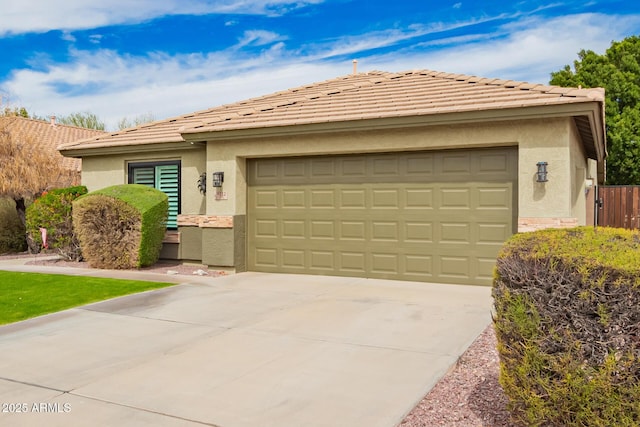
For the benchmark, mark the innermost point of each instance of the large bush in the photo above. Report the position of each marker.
(52, 211)
(12, 234)
(567, 318)
(121, 226)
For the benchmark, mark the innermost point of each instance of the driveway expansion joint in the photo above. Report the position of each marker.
(34, 385)
(164, 414)
(178, 322)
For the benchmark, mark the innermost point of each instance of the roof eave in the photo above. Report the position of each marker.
(590, 109)
(128, 149)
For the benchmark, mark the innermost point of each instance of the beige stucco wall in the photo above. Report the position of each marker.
(558, 202)
(103, 171)
(561, 201)
(552, 140)
(579, 167)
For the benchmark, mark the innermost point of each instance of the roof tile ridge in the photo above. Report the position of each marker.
(16, 118)
(266, 99)
(57, 125)
(474, 79)
(71, 127)
(597, 93)
(81, 141)
(8, 119)
(221, 112)
(286, 98)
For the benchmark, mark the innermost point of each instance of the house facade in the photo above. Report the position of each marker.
(417, 175)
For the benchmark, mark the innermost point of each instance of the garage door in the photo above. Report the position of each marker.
(423, 216)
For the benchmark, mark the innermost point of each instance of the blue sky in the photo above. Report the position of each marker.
(126, 58)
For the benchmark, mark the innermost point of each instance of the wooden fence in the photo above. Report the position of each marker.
(619, 206)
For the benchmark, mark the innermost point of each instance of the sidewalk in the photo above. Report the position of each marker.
(21, 264)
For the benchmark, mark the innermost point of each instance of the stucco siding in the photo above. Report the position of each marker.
(102, 171)
(549, 143)
(579, 166)
(558, 202)
(537, 140)
(230, 156)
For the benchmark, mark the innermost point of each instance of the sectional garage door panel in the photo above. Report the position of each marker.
(386, 216)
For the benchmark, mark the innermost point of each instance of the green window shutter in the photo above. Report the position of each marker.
(168, 181)
(144, 176)
(164, 177)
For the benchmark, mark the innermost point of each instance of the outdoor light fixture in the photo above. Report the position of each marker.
(202, 183)
(218, 179)
(541, 175)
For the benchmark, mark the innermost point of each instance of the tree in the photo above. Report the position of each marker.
(125, 122)
(85, 120)
(8, 111)
(26, 172)
(19, 112)
(618, 72)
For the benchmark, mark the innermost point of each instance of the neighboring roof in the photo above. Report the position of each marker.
(362, 96)
(47, 136)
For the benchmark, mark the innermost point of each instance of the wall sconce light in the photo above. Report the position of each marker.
(218, 179)
(541, 175)
(202, 183)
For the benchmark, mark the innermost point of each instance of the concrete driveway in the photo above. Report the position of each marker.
(245, 350)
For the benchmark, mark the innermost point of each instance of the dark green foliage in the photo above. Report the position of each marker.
(567, 319)
(121, 226)
(12, 234)
(52, 211)
(618, 71)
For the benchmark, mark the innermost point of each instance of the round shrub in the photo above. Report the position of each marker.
(567, 319)
(121, 226)
(52, 211)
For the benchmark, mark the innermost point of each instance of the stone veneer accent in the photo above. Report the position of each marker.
(171, 237)
(205, 221)
(533, 224)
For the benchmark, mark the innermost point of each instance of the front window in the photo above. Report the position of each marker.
(165, 176)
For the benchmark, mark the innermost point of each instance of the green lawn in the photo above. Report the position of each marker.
(26, 295)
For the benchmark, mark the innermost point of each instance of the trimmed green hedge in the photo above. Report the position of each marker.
(52, 210)
(121, 226)
(567, 319)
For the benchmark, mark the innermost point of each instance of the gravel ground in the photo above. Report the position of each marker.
(469, 395)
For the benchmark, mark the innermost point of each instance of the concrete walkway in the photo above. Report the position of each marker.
(246, 350)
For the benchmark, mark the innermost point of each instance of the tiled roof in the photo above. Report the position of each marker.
(47, 136)
(372, 95)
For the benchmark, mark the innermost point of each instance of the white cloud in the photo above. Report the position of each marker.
(67, 36)
(95, 38)
(525, 50)
(390, 37)
(259, 38)
(114, 86)
(44, 15)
